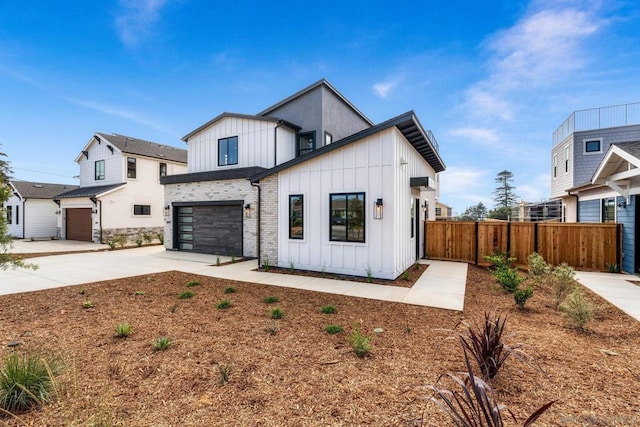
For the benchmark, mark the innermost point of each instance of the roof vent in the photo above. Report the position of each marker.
(37, 185)
(161, 155)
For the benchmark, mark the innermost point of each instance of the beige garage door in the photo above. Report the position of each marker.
(79, 224)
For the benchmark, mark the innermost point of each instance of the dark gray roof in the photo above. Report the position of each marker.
(40, 190)
(309, 88)
(88, 191)
(240, 116)
(236, 173)
(632, 147)
(406, 123)
(130, 145)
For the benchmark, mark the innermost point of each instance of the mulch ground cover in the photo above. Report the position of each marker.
(290, 372)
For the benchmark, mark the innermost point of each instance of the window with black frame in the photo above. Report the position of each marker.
(296, 216)
(228, 151)
(99, 170)
(131, 167)
(347, 217)
(306, 143)
(609, 209)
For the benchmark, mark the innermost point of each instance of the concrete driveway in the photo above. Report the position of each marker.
(27, 246)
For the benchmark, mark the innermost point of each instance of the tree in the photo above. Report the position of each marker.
(7, 259)
(474, 213)
(502, 212)
(503, 194)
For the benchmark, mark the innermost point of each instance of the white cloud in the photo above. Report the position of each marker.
(476, 135)
(384, 89)
(536, 190)
(137, 19)
(122, 113)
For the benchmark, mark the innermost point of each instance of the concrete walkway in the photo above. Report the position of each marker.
(442, 285)
(614, 288)
(27, 246)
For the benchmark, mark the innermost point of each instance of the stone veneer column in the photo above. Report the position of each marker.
(269, 220)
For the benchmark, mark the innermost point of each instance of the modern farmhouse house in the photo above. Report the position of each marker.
(595, 170)
(120, 190)
(31, 211)
(309, 182)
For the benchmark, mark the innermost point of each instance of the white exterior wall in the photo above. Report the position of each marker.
(372, 166)
(14, 230)
(563, 180)
(255, 144)
(113, 165)
(40, 218)
(79, 202)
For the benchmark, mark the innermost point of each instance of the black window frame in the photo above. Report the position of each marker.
(292, 217)
(141, 210)
(9, 212)
(346, 219)
(555, 165)
(17, 214)
(301, 135)
(591, 141)
(132, 168)
(566, 159)
(95, 170)
(162, 169)
(224, 142)
(608, 207)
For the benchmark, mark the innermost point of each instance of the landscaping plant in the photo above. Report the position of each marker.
(123, 330)
(185, 295)
(499, 260)
(522, 295)
(539, 270)
(562, 282)
(27, 380)
(328, 309)
(193, 283)
(161, 343)
(230, 290)
(577, 308)
(509, 278)
(333, 329)
(277, 313)
(224, 304)
(270, 300)
(360, 343)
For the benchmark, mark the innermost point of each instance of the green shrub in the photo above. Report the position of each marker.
(270, 299)
(193, 283)
(138, 293)
(291, 267)
(161, 343)
(230, 290)
(537, 265)
(509, 278)
(277, 313)
(613, 267)
(185, 295)
(121, 239)
(273, 328)
(360, 343)
(82, 291)
(139, 240)
(87, 304)
(369, 274)
(521, 296)
(123, 330)
(577, 308)
(160, 237)
(328, 309)
(333, 329)
(405, 275)
(266, 264)
(499, 260)
(224, 304)
(147, 237)
(562, 282)
(27, 380)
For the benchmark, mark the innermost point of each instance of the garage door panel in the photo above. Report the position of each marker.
(217, 230)
(78, 224)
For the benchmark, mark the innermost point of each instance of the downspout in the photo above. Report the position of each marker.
(577, 205)
(100, 220)
(253, 184)
(24, 228)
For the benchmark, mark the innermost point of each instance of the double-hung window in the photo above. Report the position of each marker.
(555, 165)
(296, 216)
(609, 209)
(566, 159)
(131, 167)
(347, 217)
(99, 170)
(228, 151)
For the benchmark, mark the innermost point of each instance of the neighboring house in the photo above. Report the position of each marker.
(309, 182)
(594, 170)
(443, 212)
(120, 190)
(31, 211)
(548, 210)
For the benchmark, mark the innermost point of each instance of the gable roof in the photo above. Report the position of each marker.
(239, 116)
(98, 190)
(407, 123)
(321, 82)
(140, 147)
(39, 190)
(616, 156)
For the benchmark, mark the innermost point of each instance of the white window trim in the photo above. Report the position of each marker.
(584, 146)
(567, 150)
(554, 167)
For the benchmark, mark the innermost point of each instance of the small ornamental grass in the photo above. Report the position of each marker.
(333, 329)
(161, 343)
(87, 304)
(230, 290)
(27, 380)
(328, 309)
(360, 343)
(123, 330)
(277, 313)
(193, 283)
(270, 300)
(577, 308)
(224, 304)
(185, 295)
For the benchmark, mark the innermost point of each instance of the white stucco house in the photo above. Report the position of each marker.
(31, 211)
(309, 182)
(120, 190)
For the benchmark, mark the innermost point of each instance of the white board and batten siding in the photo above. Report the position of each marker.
(113, 165)
(371, 166)
(33, 218)
(255, 144)
(15, 228)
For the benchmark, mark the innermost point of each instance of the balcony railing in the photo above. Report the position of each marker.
(598, 118)
(432, 138)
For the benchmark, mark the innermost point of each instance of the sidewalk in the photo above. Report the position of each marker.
(615, 288)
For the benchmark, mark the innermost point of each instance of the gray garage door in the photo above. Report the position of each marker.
(210, 229)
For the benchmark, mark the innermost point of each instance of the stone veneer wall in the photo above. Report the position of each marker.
(205, 191)
(131, 233)
(269, 220)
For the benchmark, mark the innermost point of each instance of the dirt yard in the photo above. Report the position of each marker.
(290, 372)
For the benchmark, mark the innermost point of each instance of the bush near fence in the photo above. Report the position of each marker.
(583, 246)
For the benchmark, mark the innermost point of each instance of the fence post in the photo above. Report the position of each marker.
(535, 237)
(619, 246)
(476, 233)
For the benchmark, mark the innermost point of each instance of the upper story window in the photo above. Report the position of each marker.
(144, 210)
(592, 146)
(566, 159)
(438, 211)
(9, 214)
(296, 216)
(228, 151)
(306, 143)
(609, 209)
(131, 167)
(347, 217)
(328, 138)
(99, 170)
(555, 165)
(163, 169)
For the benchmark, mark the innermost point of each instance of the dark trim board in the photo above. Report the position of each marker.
(210, 203)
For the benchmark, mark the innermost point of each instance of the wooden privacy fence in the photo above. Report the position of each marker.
(584, 246)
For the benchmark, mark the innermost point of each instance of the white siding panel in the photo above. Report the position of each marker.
(113, 165)
(40, 219)
(14, 230)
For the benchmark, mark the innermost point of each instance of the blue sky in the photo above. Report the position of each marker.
(492, 80)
